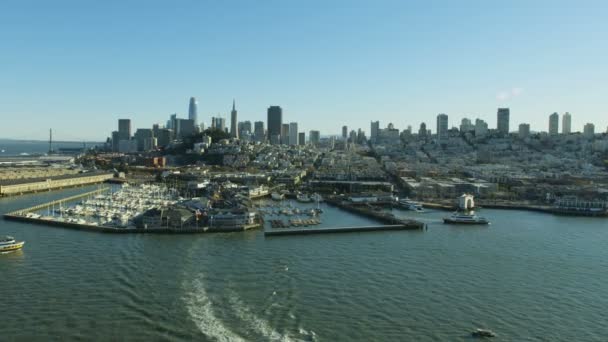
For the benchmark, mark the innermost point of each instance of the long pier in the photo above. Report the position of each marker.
(308, 231)
(55, 202)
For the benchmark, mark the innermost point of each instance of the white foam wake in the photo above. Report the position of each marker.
(201, 312)
(260, 325)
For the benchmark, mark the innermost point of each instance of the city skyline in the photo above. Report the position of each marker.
(401, 68)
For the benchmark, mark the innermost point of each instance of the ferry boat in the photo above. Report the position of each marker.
(8, 244)
(465, 218)
(411, 205)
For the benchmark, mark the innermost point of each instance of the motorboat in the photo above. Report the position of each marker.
(8, 244)
(411, 205)
(303, 198)
(483, 333)
(465, 218)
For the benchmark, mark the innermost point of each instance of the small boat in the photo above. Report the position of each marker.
(483, 333)
(411, 205)
(8, 244)
(277, 196)
(316, 197)
(465, 218)
(303, 198)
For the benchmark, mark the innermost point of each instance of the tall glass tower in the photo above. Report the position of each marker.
(193, 110)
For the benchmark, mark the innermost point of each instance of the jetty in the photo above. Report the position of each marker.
(332, 230)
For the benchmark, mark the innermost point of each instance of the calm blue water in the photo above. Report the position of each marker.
(528, 276)
(14, 148)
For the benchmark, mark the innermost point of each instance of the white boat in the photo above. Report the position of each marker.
(277, 196)
(411, 205)
(483, 333)
(465, 218)
(303, 198)
(8, 244)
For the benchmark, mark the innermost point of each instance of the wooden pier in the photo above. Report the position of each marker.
(56, 202)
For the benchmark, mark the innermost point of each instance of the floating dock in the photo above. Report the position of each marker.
(308, 231)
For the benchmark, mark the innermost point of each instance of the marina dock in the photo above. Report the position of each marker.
(308, 231)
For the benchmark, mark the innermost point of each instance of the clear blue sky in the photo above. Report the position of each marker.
(77, 66)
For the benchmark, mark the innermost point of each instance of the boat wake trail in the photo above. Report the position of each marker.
(259, 325)
(202, 313)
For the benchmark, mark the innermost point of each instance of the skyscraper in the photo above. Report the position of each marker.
(258, 131)
(524, 130)
(374, 130)
(502, 120)
(481, 128)
(554, 124)
(301, 138)
(293, 133)
(422, 131)
(124, 129)
(566, 123)
(275, 120)
(442, 126)
(234, 132)
(285, 134)
(589, 130)
(193, 110)
(314, 137)
(344, 132)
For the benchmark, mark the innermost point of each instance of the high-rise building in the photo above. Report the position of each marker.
(164, 137)
(141, 136)
(589, 130)
(244, 128)
(442, 126)
(218, 123)
(234, 132)
(422, 131)
(285, 134)
(344, 132)
(275, 122)
(314, 137)
(293, 133)
(352, 136)
(193, 110)
(524, 130)
(566, 123)
(258, 131)
(481, 128)
(554, 124)
(466, 125)
(115, 140)
(374, 130)
(502, 120)
(301, 138)
(124, 129)
(184, 128)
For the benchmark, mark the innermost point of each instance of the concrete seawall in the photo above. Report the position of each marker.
(308, 231)
(19, 187)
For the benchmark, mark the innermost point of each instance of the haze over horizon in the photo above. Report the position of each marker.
(78, 67)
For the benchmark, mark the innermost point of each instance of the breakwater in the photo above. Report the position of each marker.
(308, 231)
(22, 186)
